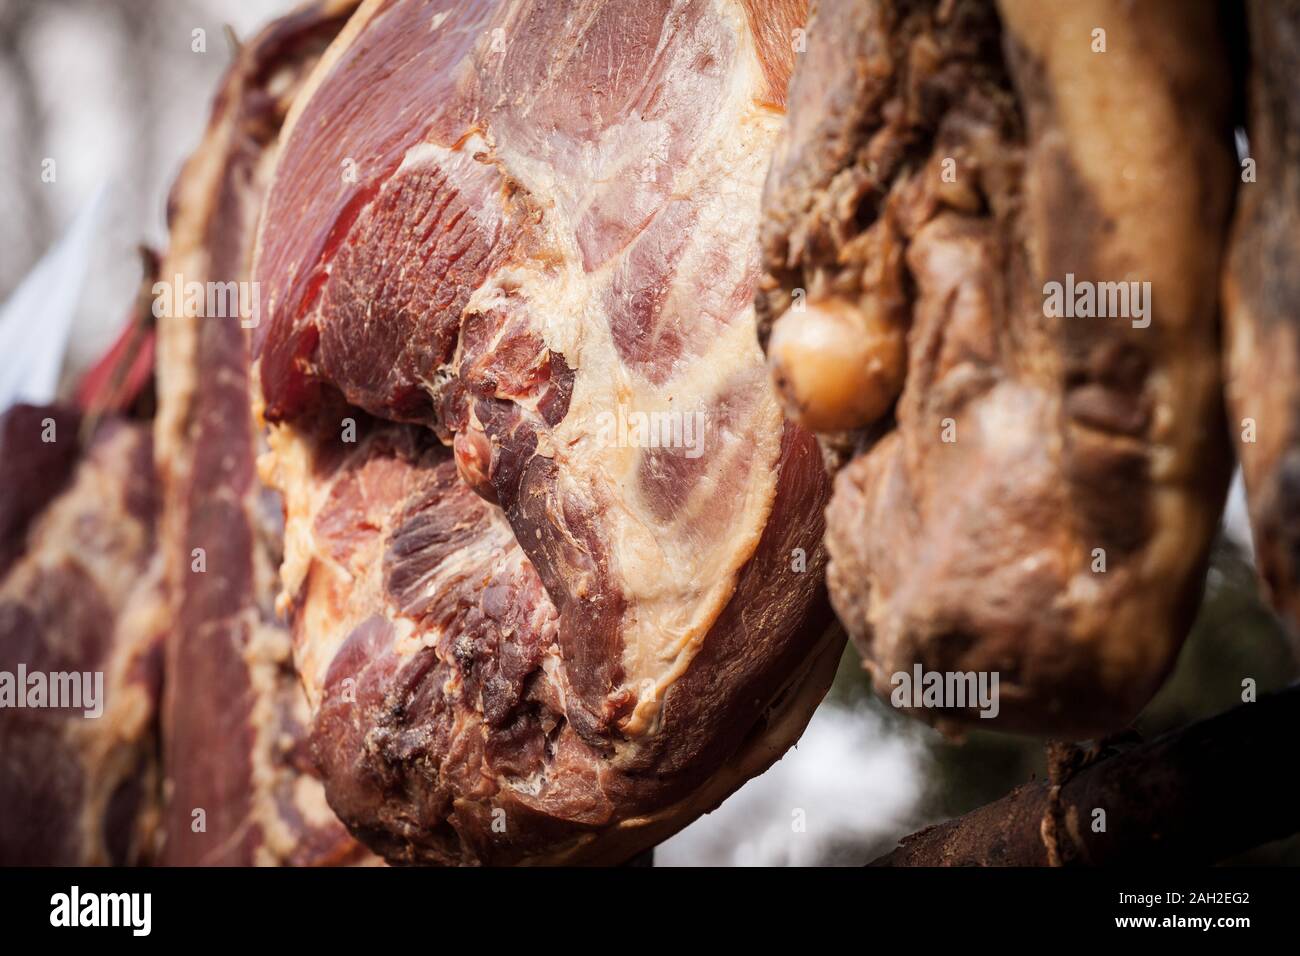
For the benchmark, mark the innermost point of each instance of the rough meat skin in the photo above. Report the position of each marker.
(234, 715)
(1071, 434)
(83, 595)
(1260, 291)
(548, 217)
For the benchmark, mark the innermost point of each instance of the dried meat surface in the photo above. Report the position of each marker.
(510, 228)
(1037, 496)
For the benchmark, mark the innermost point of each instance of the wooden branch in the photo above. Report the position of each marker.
(1195, 795)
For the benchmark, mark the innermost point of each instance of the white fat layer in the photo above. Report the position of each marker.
(675, 581)
(287, 468)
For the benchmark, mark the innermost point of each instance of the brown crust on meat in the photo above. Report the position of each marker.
(967, 533)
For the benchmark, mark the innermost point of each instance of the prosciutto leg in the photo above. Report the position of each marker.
(512, 229)
(1032, 487)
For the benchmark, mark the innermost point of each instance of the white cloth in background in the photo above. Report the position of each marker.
(36, 320)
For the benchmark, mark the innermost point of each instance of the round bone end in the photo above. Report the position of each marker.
(837, 365)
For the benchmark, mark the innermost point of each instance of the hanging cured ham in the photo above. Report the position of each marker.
(496, 234)
(991, 240)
